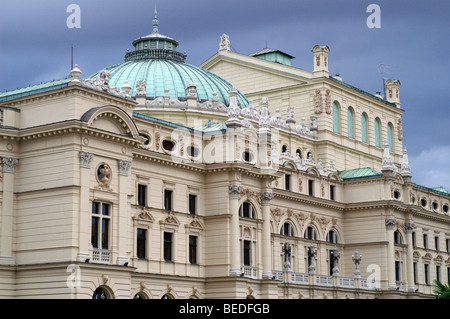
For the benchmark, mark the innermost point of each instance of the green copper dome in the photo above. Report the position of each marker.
(156, 61)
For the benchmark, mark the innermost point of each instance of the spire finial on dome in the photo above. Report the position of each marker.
(155, 21)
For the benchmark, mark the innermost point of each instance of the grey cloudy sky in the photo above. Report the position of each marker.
(35, 45)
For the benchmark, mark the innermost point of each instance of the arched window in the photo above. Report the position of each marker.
(287, 229)
(332, 237)
(100, 293)
(167, 296)
(364, 127)
(390, 134)
(350, 123)
(377, 132)
(299, 153)
(336, 115)
(397, 237)
(310, 233)
(247, 210)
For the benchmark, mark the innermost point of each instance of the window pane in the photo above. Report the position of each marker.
(168, 246)
(94, 232)
(141, 242)
(105, 233)
(192, 204)
(105, 209)
(350, 123)
(142, 192)
(335, 118)
(246, 210)
(247, 253)
(377, 133)
(364, 128)
(390, 140)
(168, 199)
(193, 249)
(94, 208)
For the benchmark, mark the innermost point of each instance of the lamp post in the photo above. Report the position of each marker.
(335, 255)
(357, 260)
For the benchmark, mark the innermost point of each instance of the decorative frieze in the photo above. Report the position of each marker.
(85, 159)
(9, 164)
(124, 166)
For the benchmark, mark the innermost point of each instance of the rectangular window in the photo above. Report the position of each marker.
(246, 210)
(167, 199)
(142, 195)
(287, 182)
(438, 273)
(413, 239)
(141, 242)
(193, 249)
(398, 274)
(247, 252)
(332, 192)
(167, 246)
(436, 242)
(311, 187)
(425, 241)
(448, 275)
(415, 272)
(100, 225)
(192, 204)
(427, 279)
(447, 245)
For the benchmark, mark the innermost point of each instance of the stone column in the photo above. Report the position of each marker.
(235, 250)
(7, 211)
(84, 219)
(409, 256)
(390, 225)
(266, 197)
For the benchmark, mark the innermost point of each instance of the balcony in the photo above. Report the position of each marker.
(101, 256)
(323, 280)
(249, 272)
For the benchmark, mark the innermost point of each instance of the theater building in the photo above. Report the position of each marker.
(243, 177)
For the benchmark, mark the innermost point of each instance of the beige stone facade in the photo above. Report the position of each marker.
(186, 200)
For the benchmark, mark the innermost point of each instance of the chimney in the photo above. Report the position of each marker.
(321, 61)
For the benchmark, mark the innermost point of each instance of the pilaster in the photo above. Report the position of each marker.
(235, 266)
(7, 211)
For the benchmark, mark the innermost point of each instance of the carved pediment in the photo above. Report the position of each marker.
(195, 223)
(170, 219)
(143, 215)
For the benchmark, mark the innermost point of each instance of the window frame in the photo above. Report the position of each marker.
(141, 243)
(142, 195)
(102, 241)
(168, 246)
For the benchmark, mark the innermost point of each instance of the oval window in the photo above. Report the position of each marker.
(192, 151)
(168, 145)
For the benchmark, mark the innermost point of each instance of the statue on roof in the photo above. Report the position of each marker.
(224, 43)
